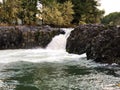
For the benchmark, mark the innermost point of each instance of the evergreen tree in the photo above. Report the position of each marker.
(28, 11)
(86, 11)
(112, 19)
(25, 10)
(51, 14)
(67, 12)
(8, 11)
(55, 12)
(58, 14)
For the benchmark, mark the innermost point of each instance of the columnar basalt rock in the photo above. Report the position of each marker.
(10, 38)
(15, 37)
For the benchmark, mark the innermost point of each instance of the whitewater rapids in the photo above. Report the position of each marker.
(55, 69)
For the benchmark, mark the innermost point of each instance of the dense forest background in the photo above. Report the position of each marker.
(53, 12)
(111, 19)
(71, 12)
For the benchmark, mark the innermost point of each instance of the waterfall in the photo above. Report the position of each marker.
(59, 41)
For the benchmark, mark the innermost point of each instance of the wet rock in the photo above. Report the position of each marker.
(10, 38)
(43, 37)
(81, 37)
(105, 47)
(100, 43)
(13, 37)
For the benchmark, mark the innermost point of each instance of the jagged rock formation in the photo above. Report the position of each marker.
(14, 37)
(100, 43)
(81, 37)
(105, 47)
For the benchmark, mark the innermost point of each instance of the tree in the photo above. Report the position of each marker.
(9, 10)
(67, 12)
(28, 11)
(112, 19)
(12, 7)
(12, 10)
(51, 14)
(57, 14)
(86, 11)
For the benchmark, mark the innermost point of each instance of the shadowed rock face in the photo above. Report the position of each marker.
(10, 38)
(100, 43)
(26, 36)
(81, 37)
(105, 47)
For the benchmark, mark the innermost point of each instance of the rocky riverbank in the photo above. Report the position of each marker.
(99, 42)
(16, 37)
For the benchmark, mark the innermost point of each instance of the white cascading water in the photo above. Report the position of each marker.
(55, 51)
(59, 41)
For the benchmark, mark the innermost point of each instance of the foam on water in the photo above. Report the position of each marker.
(35, 55)
(56, 53)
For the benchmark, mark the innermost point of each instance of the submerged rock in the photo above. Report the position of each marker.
(14, 37)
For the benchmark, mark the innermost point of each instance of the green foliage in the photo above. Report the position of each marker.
(112, 19)
(28, 11)
(55, 12)
(51, 14)
(12, 10)
(86, 11)
(67, 12)
(58, 14)
(8, 11)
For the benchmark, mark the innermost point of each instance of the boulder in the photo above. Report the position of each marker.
(81, 37)
(105, 47)
(100, 43)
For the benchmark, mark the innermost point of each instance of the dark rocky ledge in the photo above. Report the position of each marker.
(16, 37)
(81, 37)
(100, 43)
(105, 47)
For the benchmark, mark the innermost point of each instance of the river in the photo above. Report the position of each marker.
(55, 69)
